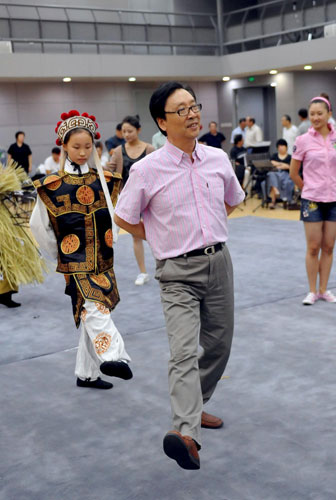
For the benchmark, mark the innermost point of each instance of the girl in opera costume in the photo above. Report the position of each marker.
(20, 261)
(73, 221)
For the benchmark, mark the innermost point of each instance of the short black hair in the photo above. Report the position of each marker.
(18, 133)
(287, 117)
(303, 113)
(241, 120)
(237, 138)
(159, 98)
(132, 120)
(118, 127)
(281, 142)
(212, 121)
(99, 144)
(252, 119)
(56, 151)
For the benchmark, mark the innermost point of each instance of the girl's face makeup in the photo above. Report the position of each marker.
(79, 147)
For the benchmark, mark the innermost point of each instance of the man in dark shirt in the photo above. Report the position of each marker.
(213, 138)
(21, 152)
(115, 141)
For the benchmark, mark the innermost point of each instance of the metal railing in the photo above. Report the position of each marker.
(139, 31)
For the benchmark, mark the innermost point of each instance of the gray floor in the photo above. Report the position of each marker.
(277, 398)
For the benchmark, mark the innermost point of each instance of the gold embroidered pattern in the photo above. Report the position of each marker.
(115, 191)
(83, 314)
(101, 280)
(76, 180)
(52, 182)
(102, 342)
(70, 244)
(85, 195)
(101, 308)
(109, 238)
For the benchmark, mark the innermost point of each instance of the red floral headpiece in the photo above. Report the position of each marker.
(73, 120)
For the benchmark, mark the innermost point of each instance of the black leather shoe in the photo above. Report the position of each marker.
(116, 369)
(94, 384)
(6, 300)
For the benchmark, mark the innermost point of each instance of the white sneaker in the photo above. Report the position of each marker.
(310, 299)
(328, 296)
(142, 279)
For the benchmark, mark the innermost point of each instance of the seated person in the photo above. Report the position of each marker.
(50, 165)
(279, 184)
(238, 153)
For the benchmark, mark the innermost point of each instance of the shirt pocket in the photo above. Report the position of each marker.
(216, 194)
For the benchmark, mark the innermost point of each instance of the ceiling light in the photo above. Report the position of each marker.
(67, 79)
(132, 79)
(273, 84)
(307, 67)
(273, 72)
(226, 78)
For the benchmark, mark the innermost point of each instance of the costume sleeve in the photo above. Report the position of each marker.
(233, 193)
(298, 148)
(41, 229)
(134, 198)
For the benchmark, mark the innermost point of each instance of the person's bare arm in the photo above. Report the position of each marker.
(137, 230)
(294, 173)
(230, 209)
(9, 157)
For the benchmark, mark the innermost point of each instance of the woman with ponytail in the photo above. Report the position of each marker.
(316, 152)
(123, 158)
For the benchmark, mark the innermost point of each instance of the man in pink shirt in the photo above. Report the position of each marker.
(185, 192)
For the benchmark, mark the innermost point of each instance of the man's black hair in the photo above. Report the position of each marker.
(56, 151)
(303, 113)
(287, 118)
(118, 127)
(241, 120)
(237, 138)
(159, 98)
(18, 133)
(252, 120)
(281, 142)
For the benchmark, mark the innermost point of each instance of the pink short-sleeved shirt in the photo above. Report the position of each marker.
(319, 164)
(181, 202)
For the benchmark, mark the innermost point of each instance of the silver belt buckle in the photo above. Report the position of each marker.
(209, 250)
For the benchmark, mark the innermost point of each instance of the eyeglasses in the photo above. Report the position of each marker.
(195, 108)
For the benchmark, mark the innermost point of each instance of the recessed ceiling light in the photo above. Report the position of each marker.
(307, 67)
(132, 79)
(273, 72)
(67, 79)
(273, 84)
(226, 78)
